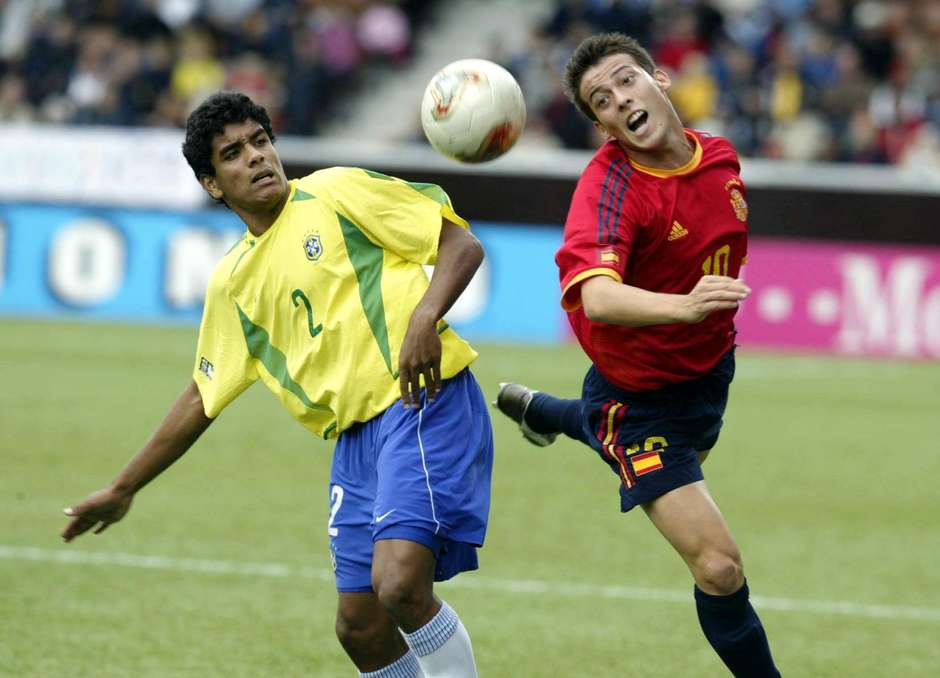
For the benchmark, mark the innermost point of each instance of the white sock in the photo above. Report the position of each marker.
(443, 646)
(404, 667)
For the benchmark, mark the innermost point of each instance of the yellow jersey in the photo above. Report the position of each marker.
(317, 306)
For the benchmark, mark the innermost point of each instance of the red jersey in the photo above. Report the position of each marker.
(660, 230)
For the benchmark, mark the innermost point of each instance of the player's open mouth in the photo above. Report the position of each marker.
(261, 176)
(637, 120)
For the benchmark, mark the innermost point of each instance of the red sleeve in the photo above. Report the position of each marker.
(599, 230)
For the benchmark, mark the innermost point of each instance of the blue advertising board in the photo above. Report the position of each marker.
(152, 266)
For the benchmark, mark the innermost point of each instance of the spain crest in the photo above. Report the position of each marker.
(738, 202)
(313, 246)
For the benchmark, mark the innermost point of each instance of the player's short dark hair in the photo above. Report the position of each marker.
(209, 120)
(593, 49)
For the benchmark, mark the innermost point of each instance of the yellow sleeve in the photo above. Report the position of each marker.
(223, 366)
(400, 216)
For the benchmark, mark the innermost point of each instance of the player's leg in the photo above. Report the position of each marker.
(371, 638)
(363, 626)
(541, 417)
(432, 502)
(691, 521)
(403, 577)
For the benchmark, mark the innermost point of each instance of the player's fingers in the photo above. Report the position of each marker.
(712, 306)
(432, 381)
(104, 526)
(725, 295)
(415, 385)
(76, 527)
(404, 379)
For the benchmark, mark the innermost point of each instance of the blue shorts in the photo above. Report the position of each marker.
(421, 475)
(651, 439)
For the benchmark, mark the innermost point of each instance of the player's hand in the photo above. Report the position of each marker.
(100, 509)
(420, 355)
(713, 293)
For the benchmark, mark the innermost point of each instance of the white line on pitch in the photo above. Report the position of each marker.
(474, 581)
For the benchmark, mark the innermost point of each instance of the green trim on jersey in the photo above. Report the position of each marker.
(260, 348)
(251, 244)
(432, 191)
(302, 195)
(367, 259)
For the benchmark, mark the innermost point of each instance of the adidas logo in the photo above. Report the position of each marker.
(677, 231)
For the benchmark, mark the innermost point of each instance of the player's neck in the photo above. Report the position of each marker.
(258, 222)
(676, 151)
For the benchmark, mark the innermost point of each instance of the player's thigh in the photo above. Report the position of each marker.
(406, 567)
(691, 521)
(352, 500)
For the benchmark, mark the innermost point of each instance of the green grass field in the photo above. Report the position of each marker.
(827, 471)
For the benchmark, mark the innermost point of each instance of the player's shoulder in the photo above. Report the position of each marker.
(328, 177)
(222, 273)
(610, 177)
(714, 147)
(608, 166)
(340, 180)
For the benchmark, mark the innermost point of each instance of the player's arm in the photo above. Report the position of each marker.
(606, 300)
(459, 255)
(181, 427)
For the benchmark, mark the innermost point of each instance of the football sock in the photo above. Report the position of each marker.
(405, 667)
(443, 646)
(734, 630)
(548, 414)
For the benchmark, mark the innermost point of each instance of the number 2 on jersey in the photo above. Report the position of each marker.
(299, 294)
(336, 499)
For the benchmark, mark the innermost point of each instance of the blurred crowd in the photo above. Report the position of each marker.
(836, 80)
(833, 80)
(148, 62)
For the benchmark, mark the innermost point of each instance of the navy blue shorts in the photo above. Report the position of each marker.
(416, 474)
(651, 439)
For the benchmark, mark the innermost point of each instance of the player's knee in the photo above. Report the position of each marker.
(405, 598)
(719, 573)
(355, 631)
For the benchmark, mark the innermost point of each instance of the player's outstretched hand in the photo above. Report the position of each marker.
(420, 355)
(714, 293)
(101, 508)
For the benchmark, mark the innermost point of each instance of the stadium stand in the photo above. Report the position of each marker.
(834, 80)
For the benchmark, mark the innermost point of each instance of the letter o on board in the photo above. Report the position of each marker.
(86, 262)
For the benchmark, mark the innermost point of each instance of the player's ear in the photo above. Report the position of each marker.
(211, 186)
(662, 79)
(602, 130)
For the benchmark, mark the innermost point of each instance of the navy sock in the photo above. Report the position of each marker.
(733, 628)
(548, 414)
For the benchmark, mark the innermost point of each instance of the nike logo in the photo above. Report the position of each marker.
(385, 515)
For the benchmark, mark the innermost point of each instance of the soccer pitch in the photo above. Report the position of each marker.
(827, 471)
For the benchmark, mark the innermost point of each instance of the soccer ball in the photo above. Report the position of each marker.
(472, 111)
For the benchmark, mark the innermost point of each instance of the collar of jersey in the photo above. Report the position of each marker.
(290, 196)
(685, 169)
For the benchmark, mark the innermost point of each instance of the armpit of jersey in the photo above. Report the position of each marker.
(571, 294)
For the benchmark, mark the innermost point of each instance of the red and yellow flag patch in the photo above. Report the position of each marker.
(646, 462)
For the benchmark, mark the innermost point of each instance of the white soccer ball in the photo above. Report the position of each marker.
(472, 111)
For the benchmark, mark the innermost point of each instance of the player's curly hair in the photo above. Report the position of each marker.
(209, 120)
(593, 49)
